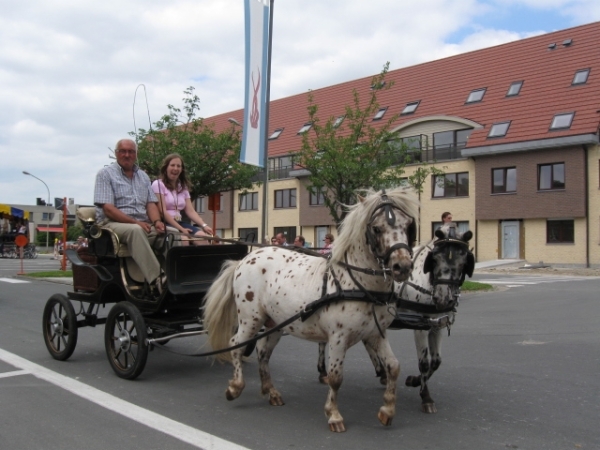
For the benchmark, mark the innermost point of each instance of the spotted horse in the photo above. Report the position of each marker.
(342, 300)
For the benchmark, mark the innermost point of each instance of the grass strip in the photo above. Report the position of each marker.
(475, 286)
(51, 274)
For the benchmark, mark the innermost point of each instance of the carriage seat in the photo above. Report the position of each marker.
(87, 216)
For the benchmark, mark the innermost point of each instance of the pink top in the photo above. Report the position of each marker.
(175, 201)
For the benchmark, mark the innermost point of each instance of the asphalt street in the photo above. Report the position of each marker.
(519, 371)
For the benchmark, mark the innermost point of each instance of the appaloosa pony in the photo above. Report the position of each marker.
(342, 300)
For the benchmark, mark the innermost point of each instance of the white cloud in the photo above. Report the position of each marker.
(69, 69)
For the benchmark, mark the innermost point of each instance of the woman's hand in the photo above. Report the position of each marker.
(207, 229)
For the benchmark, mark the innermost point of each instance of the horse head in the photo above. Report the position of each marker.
(447, 264)
(384, 222)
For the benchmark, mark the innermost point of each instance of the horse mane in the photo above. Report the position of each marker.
(354, 225)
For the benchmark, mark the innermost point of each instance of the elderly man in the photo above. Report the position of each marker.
(126, 204)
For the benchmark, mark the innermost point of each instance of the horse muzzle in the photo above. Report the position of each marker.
(401, 266)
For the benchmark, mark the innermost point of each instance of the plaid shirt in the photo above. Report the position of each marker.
(130, 195)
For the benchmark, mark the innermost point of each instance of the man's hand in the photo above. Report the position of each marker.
(146, 226)
(160, 227)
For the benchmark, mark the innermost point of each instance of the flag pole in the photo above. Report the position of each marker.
(265, 209)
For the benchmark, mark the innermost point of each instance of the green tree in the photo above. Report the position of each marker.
(211, 158)
(348, 157)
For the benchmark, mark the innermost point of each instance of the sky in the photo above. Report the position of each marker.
(70, 70)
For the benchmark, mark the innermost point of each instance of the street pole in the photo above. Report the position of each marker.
(47, 205)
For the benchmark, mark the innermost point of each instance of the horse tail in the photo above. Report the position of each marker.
(220, 314)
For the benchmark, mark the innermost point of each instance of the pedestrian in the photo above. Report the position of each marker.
(299, 241)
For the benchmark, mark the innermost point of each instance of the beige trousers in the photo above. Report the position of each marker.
(139, 244)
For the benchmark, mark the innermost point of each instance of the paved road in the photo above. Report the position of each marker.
(519, 371)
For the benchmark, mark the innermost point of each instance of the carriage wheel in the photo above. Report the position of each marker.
(60, 327)
(125, 340)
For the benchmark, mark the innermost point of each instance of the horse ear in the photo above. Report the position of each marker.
(470, 265)
(428, 264)
(360, 198)
(467, 236)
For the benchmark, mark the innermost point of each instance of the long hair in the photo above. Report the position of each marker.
(183, 181)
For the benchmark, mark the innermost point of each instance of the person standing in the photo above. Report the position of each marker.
(126, 204)
(172, 190)
(299, 241)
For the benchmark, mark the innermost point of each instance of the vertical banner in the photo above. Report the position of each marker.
(255, 102)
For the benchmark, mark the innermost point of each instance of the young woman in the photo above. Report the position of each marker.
(174, 198)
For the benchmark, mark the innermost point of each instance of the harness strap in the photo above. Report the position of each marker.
(425, 309)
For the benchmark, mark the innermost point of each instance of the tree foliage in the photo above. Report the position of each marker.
(211, 158)
(346, 158)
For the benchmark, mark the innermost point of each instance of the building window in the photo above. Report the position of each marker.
(248, 234)
(285, 198)
(447, 144)
(380, 113)
(199, 205)
(560, 231)
(280, 167)
(504, 180)
(581, 76)
(276, 134)
(476, 96)
(410, 107)
(249, 201)
(461, 227)
(514, 89)
(451, 185)
(562, 121)
(305, 127)
(551, 176)
(338, 121)
(47, 217)
(317, 197)
(499, 129)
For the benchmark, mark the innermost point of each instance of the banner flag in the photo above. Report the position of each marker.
(255, 102)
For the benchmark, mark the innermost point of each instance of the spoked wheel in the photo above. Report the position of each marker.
(60, 327)
(125, 340)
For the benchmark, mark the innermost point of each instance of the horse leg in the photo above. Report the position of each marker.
(335, 376)
(391, 366)
(379, 370)
(321, 364)
(244, 333)
(428, 345)
(264, 350)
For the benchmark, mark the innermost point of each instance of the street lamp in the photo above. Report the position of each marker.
(48, 203)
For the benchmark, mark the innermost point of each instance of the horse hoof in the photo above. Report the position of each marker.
(337, 427)
(229, 395)
(276, 401)
(323, 379)
(384, 418)
(383, 380)
(412, 381)
(428, 408)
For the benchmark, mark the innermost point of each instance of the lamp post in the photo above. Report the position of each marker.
(48, 203)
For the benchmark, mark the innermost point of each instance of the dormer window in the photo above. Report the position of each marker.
(410, 107)
(581, 76)
(305, 127)
(562, 121)
(476, 96)
(499, 129)
(380, 113)
(514, 89)
(276, 133)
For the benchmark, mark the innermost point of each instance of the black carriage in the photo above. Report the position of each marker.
(105, 275)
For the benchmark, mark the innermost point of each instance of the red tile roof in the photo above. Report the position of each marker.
(442, 87)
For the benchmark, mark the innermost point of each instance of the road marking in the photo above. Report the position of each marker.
(185, 433)
(14, 373)
(13, 280)
(529, 281)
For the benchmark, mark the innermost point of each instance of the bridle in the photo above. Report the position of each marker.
(388, 210)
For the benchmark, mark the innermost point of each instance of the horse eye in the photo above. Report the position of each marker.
(376, 230)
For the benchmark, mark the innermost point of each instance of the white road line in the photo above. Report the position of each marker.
(163, 424)
(14, 373)
(13, 280)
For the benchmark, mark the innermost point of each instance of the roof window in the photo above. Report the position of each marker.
(499, 129)
(276, 133)
(581, 76)
(410, 107)
(562, 121)
(380, 113)
(338, 121)
(305, 127)
(475, 96)
(514, 88)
